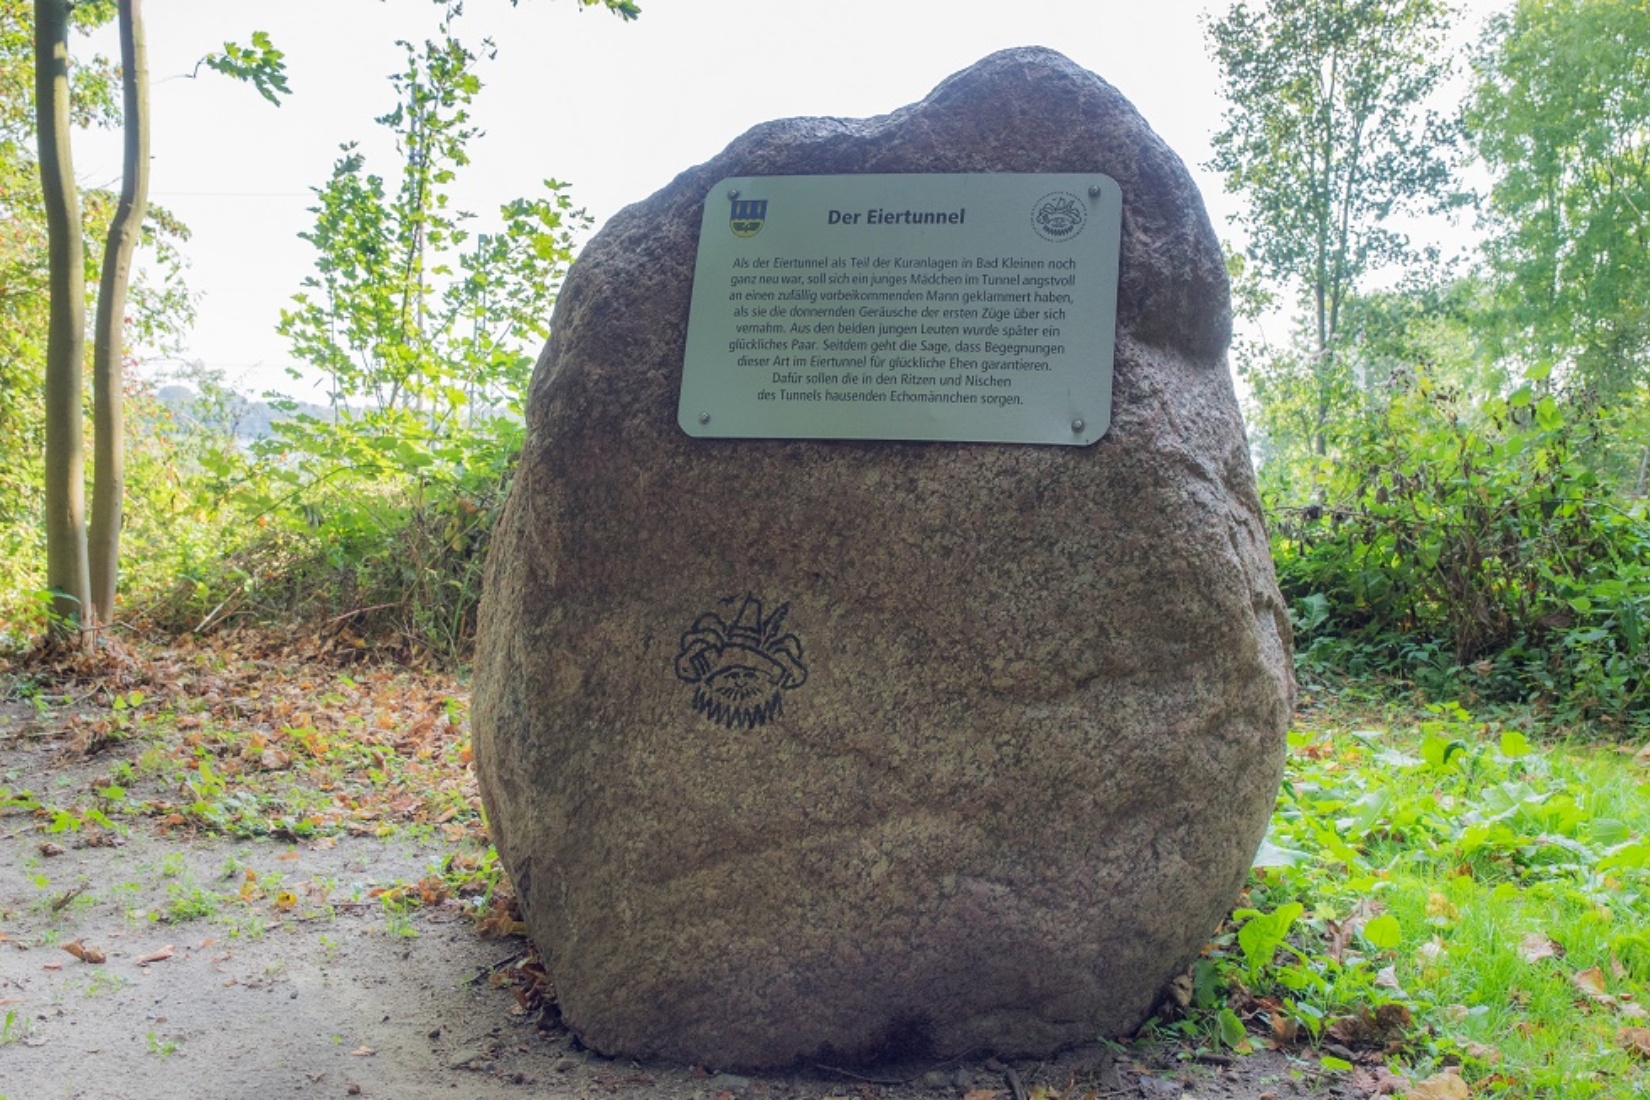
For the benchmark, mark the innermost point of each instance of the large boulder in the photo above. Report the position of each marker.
(851, 751)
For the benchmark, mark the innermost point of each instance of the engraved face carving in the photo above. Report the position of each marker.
(741, 669)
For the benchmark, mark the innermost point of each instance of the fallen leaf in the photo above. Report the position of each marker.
(1440, 1086)
(275, 759)
(1387, 978)
(1388, 1083)
(1591, 982)
(1385, 1024)
(1486, 1054)
(85, 954)
(1534, 947)
(156, 956)
(1636, 1040)
(363, 1052)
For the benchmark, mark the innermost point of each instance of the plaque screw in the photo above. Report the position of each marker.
(733, 193)
(1094, 191)
(704, 418)
(1078, 426)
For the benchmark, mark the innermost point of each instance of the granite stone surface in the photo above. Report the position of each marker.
(846, 751)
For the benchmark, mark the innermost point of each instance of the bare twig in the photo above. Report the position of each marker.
(494, 968)
(361, 611)
(60, 902)
(861, 1077)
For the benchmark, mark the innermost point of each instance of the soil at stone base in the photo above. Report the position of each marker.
(348, 999)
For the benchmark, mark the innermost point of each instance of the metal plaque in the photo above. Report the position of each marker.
(973, 307)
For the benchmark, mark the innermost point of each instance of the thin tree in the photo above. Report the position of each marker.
(1327, 134)
(67, 572)
(82, 571)
(108, 382)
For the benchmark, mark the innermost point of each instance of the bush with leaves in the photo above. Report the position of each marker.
(1467, 547)
(374, 516)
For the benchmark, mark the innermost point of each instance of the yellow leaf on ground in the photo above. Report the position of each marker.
(1440, 1086)
(1440, 906)
(1635, 1040)
(83, 953)
(1591, 982)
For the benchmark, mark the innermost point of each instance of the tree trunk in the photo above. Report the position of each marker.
(67, 574)
(108, 383)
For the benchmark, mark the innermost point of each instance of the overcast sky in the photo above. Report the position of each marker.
(615, 109)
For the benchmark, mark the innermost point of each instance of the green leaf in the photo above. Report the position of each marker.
(261, 65)
(1383, 932)
(1272, 854)
(1631, 856)
(1205, 983)
(1438, 751)
(1368, 809)
(1547, 416)
(1262, 935)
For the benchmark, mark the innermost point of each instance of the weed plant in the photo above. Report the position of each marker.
(1446, 892)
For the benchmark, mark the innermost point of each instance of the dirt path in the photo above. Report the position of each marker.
(265, 968)
(245, 1000)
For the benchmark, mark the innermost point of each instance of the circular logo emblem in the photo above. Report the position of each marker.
(1059, 216)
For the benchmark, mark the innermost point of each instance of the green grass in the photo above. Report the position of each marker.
(14, 1027)
(1439, 891)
